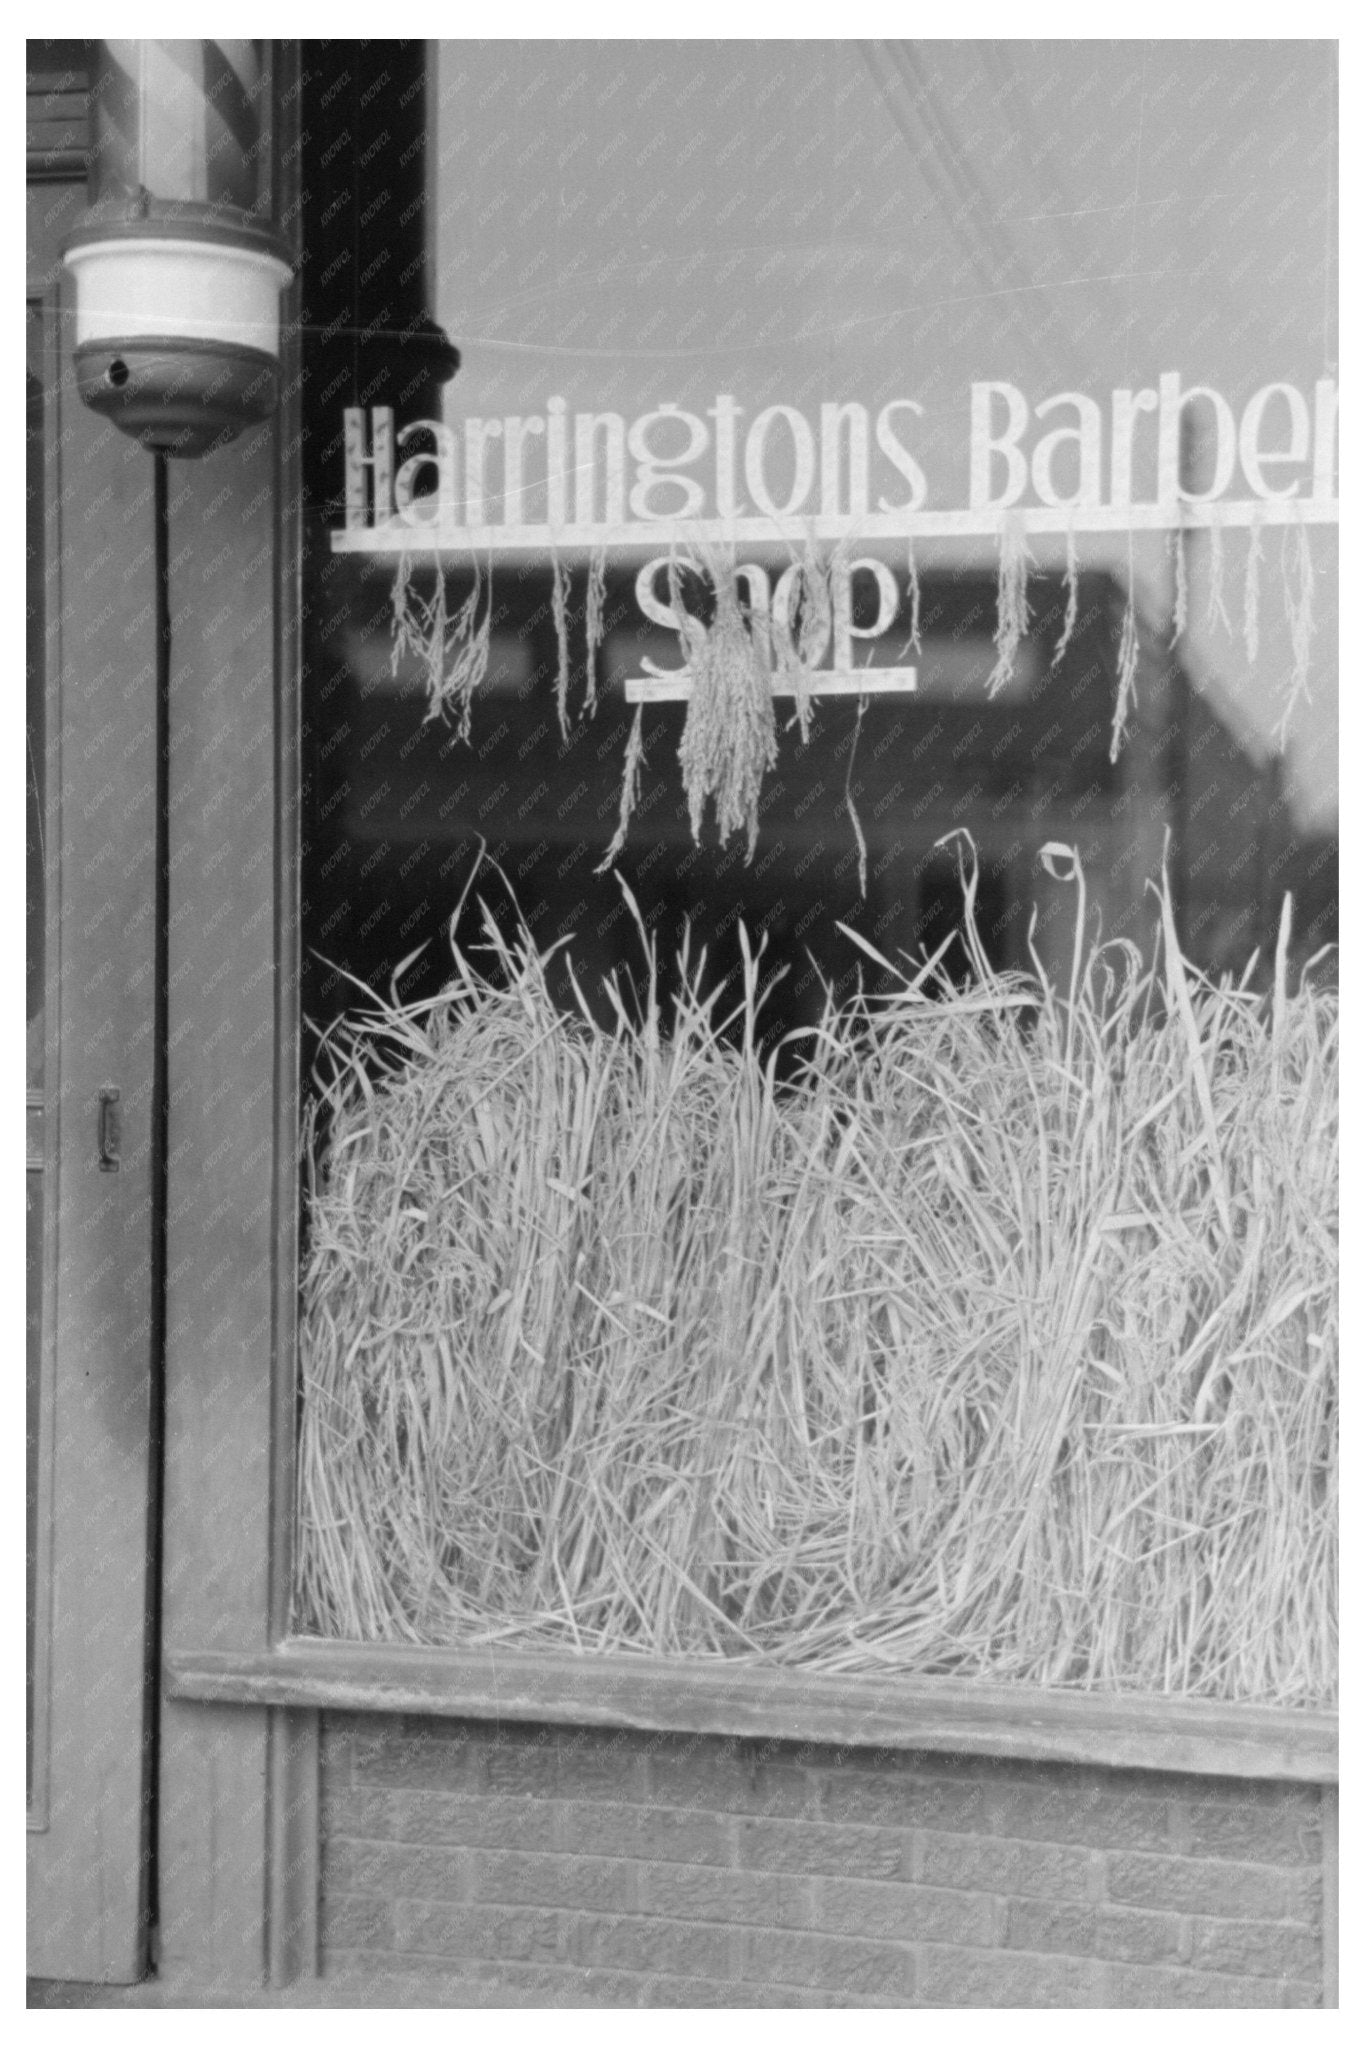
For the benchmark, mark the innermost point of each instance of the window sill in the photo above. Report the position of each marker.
(1118, 1731)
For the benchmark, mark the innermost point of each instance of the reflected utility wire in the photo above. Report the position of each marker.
(935, 150)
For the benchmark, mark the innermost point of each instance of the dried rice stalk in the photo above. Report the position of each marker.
(1216, 613)
(797, 655)
(559, 600)
(912, 645)
(854, 820)
(1182, 585)
(691, 631)
(1073, 598)
(596, 608)
(630, 788)
(1296, 568)
(1251, 592)
(402, 600)
(1128, 663)
(817, 602)
(1011, 604)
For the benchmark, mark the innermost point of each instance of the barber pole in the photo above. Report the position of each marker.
(181, 120)
(178, 271)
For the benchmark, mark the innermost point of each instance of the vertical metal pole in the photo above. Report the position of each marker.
(159, 1154)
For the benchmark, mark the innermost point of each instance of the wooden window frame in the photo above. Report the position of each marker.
(689, 1696)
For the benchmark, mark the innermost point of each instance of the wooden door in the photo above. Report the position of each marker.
(91, 1160)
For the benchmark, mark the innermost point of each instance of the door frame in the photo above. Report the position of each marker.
(89, 1864)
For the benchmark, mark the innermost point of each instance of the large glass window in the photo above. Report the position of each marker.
(869, 467)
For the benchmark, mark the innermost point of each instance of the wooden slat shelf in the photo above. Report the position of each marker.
(1117, 1731)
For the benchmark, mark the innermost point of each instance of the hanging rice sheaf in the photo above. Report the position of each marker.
(1005, 1346)
(1126, 691)
(799, 653)
(859, 836)
(630, 789)
(1182, 585)
(559, 604)
(451, 653)
(1073, 597)
(729, 738)
(594, 616)
(913, 644)
(1251, 594)
(1216, 612)
(1296, 569)
(1011, 603)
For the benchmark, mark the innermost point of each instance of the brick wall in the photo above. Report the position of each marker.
(534, 1866)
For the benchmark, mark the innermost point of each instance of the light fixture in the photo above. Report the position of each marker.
(178, 269)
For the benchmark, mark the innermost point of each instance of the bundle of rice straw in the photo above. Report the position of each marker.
(1004, 1346)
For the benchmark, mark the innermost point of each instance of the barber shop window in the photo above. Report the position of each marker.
(820, 584)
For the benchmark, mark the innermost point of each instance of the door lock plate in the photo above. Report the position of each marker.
(110, 1130)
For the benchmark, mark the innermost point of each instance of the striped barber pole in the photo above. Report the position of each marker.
(180, 121)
